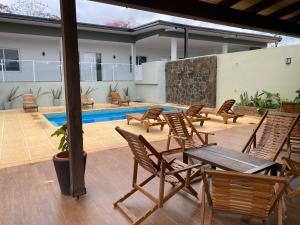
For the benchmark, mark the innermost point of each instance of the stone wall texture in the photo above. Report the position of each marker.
(191, 81)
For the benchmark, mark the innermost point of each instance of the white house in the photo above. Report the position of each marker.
(30, 47)
(30, 54)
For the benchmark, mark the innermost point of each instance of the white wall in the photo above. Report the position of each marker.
(256, 70)
(151, 88)
(99, 95)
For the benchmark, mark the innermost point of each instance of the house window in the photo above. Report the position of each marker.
(139, 61)
(10, 59)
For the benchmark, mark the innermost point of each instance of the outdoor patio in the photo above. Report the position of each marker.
(26, 137)
(31, 194)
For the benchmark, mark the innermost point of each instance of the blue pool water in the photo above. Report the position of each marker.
(102, 115)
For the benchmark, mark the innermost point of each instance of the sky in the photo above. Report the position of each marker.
(98, 13)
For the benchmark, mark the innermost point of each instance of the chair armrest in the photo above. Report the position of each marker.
(184, 169)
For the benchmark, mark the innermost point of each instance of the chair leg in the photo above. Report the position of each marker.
(147, 125)
(280, 212)
(128, 120)
(162, 127)
(201, 123)
(225, 119)
(168, 141)
(202, 202)
(210, 216)
(234, 119)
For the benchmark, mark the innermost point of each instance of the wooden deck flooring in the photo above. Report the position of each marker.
(30, 194)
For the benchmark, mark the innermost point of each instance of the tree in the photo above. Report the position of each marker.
(31, 8)
(120, 23)
(4, 9)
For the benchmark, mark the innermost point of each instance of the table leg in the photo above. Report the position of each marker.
(274, 170)
(185, 158)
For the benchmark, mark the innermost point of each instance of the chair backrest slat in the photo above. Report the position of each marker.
(292, 108)
(194, 110)
(28, 99)
(139, 151)
(274, 130)
(115, 95)
(178, 127)
(246, 194)
(226, 107)
(153, 113)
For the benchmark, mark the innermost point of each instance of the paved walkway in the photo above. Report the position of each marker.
(25, 137)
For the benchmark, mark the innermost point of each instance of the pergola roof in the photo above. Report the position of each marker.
(276, 16)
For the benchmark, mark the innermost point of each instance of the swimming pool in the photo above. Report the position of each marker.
(93, 116)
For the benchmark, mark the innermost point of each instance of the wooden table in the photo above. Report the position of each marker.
(227, 159)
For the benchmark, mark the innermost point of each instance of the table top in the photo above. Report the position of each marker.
(229, 159)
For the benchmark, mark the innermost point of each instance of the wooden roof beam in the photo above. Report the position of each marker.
(285, 11)
(261, 6)
(228, 3)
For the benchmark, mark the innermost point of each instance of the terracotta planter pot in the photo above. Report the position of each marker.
(61, 165)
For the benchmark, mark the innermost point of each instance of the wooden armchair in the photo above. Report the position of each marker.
(192, 114)
(173, 172)
(292, 170)
(85, 101)
(29, 102)
(179, 131)
(294, 140)
(224, 111)
(249, 195)
(116, 99)
(150, 118)
(275, 129)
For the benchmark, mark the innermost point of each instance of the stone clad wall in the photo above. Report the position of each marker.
(192, 80)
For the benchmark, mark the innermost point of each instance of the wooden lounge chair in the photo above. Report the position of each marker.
(274, 129)
(116, 99)
(29, 103)
(179, 131)
(193, 115)
(173, 172)
(292, 170)
(224, 111)
(249, 195)
(150, 118)
(85, 101)
(294, 140)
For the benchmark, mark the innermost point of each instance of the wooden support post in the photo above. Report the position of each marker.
(72, 93)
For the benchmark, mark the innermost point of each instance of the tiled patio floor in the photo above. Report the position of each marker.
(25, 137)
(30, 193)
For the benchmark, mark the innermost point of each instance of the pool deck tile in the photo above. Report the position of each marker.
(25, 137)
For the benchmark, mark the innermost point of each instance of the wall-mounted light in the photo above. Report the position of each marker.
(288, 60)
(114, 57)
(43, 53)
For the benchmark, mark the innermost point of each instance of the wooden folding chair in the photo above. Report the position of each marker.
(193, 115)
(250, 195)
(179, 131)
(291, 168)
(173, 172)
(294, 139)
(85, 101)
(150, 118)
(275, 129)
(29, 102)
(116, 99)
(225, 111)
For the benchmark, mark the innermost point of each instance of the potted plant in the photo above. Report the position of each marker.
(11, 97)
(56, 94)
(110, 90)
(126, 93)
(61, 160)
